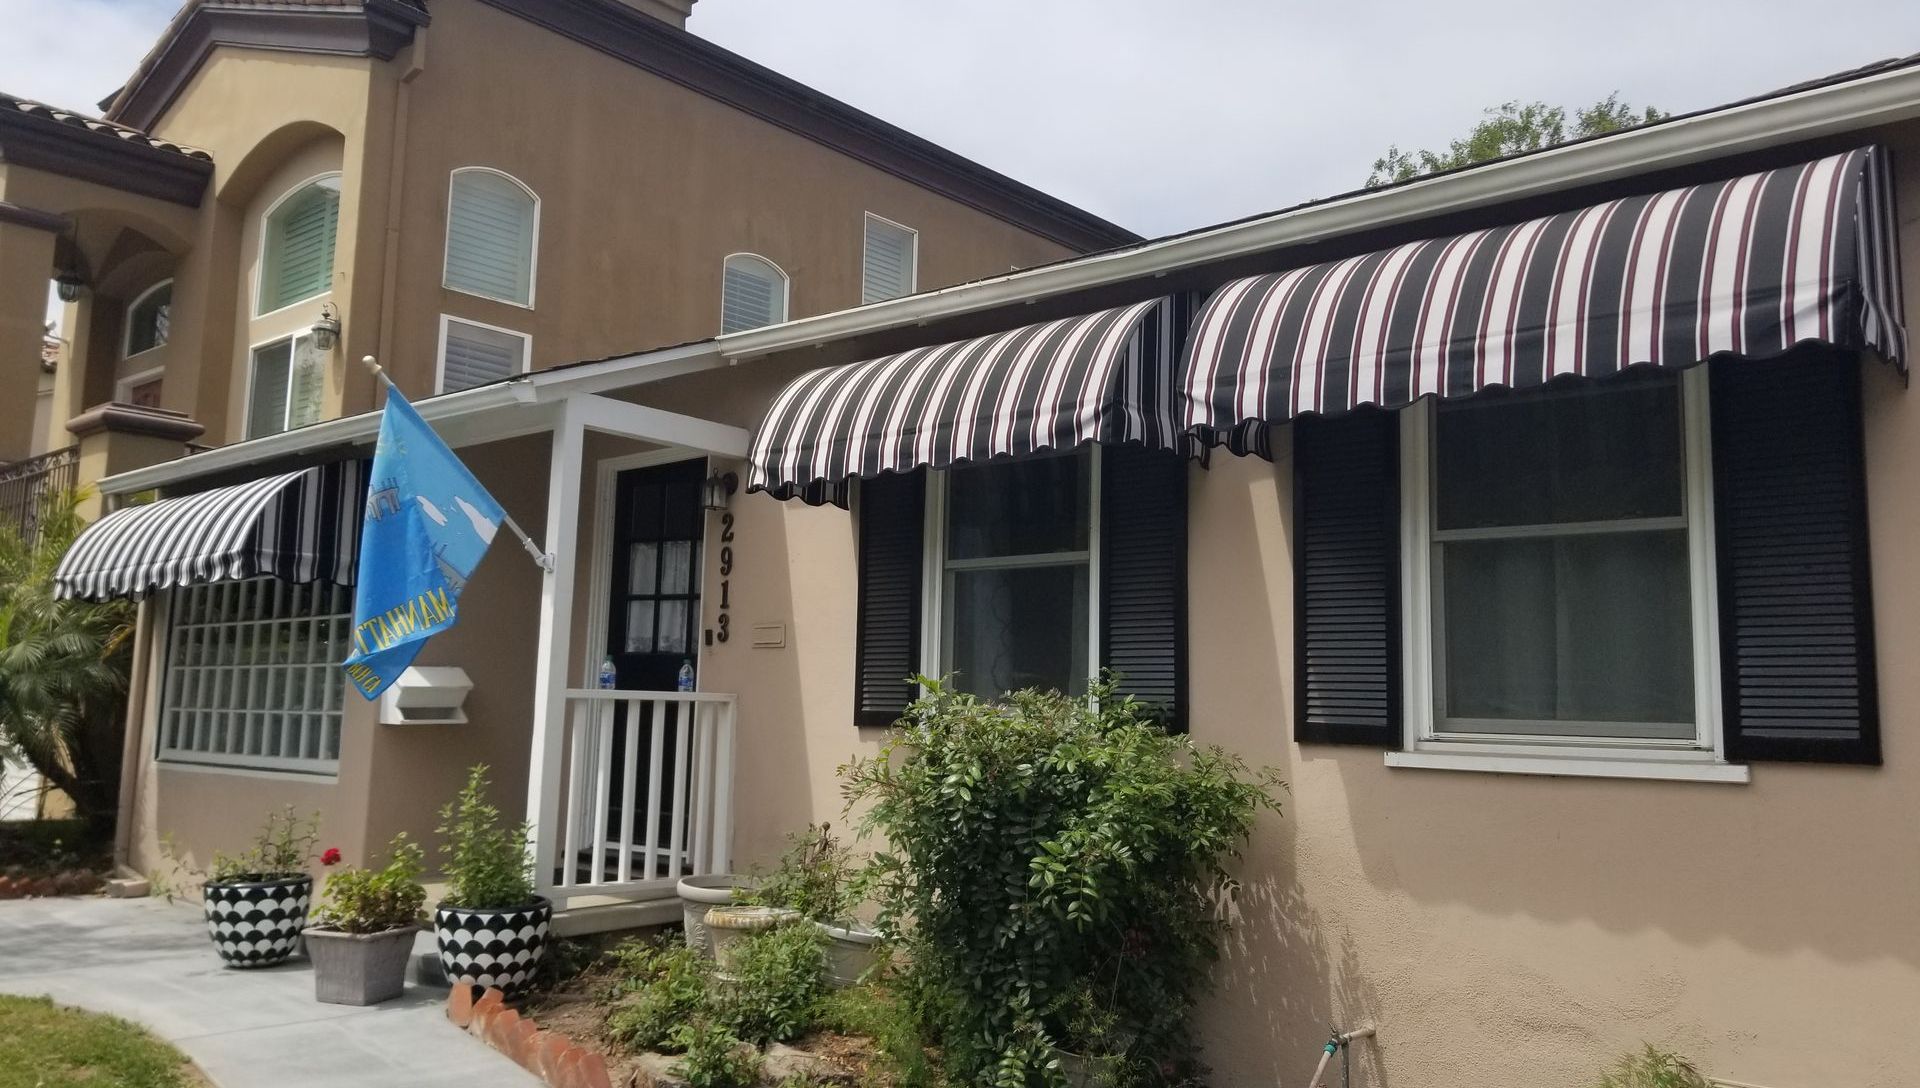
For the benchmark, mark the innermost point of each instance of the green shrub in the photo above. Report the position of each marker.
(667, 988)
(377, 900)
(877, 1013)
(715, 1057)
(1653, 1068)
(1046, 843)
(816, 876)
(487, 865)
(778, 974)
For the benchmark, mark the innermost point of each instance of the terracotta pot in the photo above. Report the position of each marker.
(499, 948)
(256, 921)
(359, 968)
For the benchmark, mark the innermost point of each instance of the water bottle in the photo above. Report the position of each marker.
(686, 675)
(609, 676)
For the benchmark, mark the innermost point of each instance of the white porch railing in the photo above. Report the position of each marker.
(648, 793)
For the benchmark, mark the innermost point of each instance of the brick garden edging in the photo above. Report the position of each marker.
(559, 1061)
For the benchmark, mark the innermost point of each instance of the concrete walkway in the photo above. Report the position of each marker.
(151, 962)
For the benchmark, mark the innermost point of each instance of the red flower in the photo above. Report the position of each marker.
(331, 856)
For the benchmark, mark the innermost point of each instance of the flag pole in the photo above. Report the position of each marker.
(543, 558)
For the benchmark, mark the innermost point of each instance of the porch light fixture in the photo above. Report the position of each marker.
(68, 286)
(326, 331)
(719, 486)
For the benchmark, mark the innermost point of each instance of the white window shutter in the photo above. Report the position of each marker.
(476, 355)
(298, 262)
(753, 294)
(888, 269)
(490, 237)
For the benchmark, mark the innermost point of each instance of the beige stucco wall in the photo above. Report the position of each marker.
(645, 187)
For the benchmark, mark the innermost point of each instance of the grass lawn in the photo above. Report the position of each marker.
(45, 1046)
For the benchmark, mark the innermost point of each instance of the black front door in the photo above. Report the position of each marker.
(655, 622)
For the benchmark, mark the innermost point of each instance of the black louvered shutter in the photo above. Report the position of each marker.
(1796, 617)
(1143, 576)
(892, 511)
(1347, 579)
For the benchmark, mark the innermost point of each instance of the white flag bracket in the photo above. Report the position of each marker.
(543, 559)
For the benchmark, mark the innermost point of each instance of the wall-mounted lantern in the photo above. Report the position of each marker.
(69, 285)
(719, 487)
(326, 331)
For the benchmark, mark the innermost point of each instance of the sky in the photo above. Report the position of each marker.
(1164, 115)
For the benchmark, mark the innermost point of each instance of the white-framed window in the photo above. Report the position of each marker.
(149, 320)
(474, 354)
(253, 675)
(286, 385)
(297, 244)
(493, 233)
(891, 260)
(1012, 573)
(753, 293)
(1559, 583)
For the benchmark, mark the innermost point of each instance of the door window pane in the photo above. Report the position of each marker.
(672, 638)
(640, 627)
(676, 566)
(645, 567)
(267, 403)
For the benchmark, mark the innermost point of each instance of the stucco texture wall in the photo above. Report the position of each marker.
(645, 187)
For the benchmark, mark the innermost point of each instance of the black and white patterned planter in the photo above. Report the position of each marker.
(499, 948)
(257, 922)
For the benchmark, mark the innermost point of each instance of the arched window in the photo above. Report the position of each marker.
(149, 318)
(753, 292)
(296, 244)
(493, 226)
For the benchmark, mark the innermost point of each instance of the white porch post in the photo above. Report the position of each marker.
(555, 644)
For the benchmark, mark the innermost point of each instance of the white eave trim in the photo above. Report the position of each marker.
(1867, 102)
(523, 405)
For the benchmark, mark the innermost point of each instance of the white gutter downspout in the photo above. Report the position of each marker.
(1867, 102)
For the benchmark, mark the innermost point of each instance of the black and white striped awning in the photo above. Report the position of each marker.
(1750, 266)
(299, 527)
(1105, 377)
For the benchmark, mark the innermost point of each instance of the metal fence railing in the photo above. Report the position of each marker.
(25, 486)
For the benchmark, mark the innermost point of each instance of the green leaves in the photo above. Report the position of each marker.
(1044, 847)
(1511, 128)
(487, 866)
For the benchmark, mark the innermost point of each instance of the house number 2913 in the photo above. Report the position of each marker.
(723, 621)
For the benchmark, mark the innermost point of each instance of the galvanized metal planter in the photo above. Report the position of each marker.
(359, 968)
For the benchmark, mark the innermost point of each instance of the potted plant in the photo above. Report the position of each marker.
(700, 894)
(491, 927)
(817, 878)
(256, 901)
(362, 936)
(1093, 1043)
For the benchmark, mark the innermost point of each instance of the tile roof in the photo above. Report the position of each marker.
(30, 108)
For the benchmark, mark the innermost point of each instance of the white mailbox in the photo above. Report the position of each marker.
(426, 695)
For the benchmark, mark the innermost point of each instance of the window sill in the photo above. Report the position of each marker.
(328, 776)
(1576, 766)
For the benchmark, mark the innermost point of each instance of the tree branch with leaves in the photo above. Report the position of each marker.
(1512, 128)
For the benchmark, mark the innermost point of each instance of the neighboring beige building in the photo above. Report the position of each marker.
(1646, 777)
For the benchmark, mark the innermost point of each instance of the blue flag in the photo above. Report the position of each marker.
(428, 524)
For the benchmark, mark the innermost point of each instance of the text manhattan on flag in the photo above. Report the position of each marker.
(428, 524)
